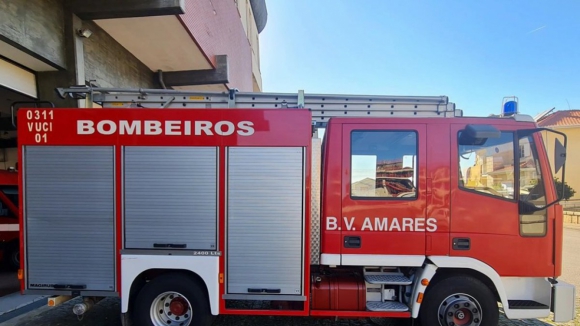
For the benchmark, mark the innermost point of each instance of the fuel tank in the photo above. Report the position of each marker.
(345, 292)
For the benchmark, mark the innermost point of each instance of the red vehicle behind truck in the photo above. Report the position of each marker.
(191, 205)
(9, 220)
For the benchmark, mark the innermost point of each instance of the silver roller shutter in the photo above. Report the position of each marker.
(70, 210)
(170, 197)
(265, 199)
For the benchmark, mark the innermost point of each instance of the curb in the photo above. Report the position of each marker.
(25, 309)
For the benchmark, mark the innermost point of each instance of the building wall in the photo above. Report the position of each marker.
(111, 65)
(35, 25)
(572, 156)
(217, 29)
(251, 30)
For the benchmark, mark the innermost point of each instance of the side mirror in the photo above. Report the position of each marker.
(559, 155)
(527, 208)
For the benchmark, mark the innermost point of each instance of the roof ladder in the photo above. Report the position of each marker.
(322, 106)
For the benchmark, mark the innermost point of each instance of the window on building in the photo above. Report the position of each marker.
(384, 164)
(488, 168)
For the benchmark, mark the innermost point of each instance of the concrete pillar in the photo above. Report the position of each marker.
(75, 67)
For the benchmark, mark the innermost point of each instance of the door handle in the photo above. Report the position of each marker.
(352, 242)
(461, 243)
(255, 290)
(170, 245)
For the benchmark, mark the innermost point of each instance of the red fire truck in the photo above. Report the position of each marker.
(192, 205)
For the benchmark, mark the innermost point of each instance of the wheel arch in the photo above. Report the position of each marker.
(136, 270)
(444, 273)
(450, 266)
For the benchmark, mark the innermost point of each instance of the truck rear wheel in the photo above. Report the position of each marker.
(172, 300)
(459, 301)
(12, 256)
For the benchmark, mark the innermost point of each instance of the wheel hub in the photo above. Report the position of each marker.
(178, 306)
(460, 310)
(171, 309)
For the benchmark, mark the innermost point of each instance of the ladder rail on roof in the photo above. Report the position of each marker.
(322, 106)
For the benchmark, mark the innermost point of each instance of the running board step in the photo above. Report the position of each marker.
(387, 279)
(386, 306)
(526, 304)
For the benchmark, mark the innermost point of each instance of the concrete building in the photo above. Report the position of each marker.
(181, 44)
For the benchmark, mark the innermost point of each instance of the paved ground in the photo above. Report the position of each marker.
(8, 283)
(107, 312)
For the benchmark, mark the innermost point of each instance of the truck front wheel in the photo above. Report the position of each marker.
(459, 301)
(172, 299)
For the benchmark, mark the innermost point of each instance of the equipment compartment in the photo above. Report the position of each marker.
(265, 220)
(170, 197)
(69, 217)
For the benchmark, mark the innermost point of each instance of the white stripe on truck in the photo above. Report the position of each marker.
(9, 227)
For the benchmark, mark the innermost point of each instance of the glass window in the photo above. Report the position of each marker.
(531, 189)
(12, 194)
(383, 164)
(488, 168)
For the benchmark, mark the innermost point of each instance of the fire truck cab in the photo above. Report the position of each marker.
(192, 205)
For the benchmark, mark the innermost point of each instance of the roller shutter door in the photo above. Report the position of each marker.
(170, 197)
(69, 217)
(265, 220)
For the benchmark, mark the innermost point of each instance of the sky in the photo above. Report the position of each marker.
(475, 52)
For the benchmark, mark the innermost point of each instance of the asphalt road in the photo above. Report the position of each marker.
(107, 311)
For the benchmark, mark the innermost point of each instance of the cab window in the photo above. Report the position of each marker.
(488, 168)
(532, 189)
(383, 164)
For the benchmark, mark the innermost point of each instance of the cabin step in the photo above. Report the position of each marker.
(386, 306)
(394, 279)
(526, 304)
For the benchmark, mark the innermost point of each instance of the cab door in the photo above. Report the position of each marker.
(384, 194)
(496, 178)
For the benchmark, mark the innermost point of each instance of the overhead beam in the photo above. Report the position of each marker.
(219, 75)
(106, 9)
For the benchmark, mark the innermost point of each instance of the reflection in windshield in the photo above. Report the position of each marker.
(489, 168)
(383, 164)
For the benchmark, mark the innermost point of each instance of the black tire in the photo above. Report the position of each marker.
(12, 256)
(463, 287)
(176, 282)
